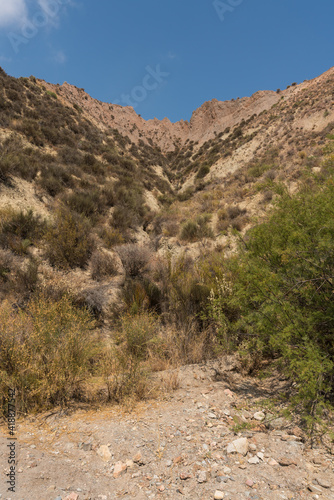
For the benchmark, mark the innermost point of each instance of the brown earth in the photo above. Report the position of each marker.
(174, 447)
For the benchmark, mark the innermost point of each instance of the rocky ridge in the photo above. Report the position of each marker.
(206, 122)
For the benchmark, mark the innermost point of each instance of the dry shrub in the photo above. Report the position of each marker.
(103, 265)
(111, 236)
(186, 345)
(239, 223)
(135, 258)
(45, 352)
(6, 264)
(197, 229)
(267, 196)
(235, 211)
(171, 228)
(69, 242)
(125, 378)
(93, 298)
(124, 365)
(19, 229)
(137, 334)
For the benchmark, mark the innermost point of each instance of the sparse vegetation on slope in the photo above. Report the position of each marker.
(145, 242)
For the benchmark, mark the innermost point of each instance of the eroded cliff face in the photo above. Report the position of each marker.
(206, 122)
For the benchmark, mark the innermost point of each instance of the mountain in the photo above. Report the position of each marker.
(134, 221)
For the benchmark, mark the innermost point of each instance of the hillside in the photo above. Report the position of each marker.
(130, 248)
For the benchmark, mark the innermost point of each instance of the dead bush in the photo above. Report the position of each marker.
(235, 211)
(103, 265)
(134, 258)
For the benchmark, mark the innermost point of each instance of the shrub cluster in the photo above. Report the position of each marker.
(69, 240)
(193, 230)
(45, 352)
(281, 286)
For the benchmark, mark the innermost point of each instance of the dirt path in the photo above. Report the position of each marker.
(182, 446)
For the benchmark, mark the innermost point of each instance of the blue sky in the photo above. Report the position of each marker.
(167, 57)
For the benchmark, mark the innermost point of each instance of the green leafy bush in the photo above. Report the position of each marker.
(283, 293)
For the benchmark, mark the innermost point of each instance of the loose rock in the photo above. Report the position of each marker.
(202, 477)
(119, 468)
(259, 416)
(104, 453)
(238, 446)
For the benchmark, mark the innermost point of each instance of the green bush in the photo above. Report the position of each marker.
(52, 94)
(283, 289)
(203, 171)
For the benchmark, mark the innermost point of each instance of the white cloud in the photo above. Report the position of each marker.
(12, 12)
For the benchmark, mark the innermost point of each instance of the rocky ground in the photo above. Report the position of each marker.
(214, 437)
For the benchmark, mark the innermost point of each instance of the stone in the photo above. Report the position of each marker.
(119, 468)
(286, 462)
(87, 446)
(314, 489)
(259, 416)
(322, 482)
(277, 423)
(296, 431)
(178, 460)
(138, 459)
(272, 462)
(104, 453)
(254, 460)
(249, 483)
(202, 476)
(222, 479)
(219, 495)
(252, 447)
(129, 464)
(238, 446)
(185, 475)
(260, 455)
(72, 496)
(229, 393)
